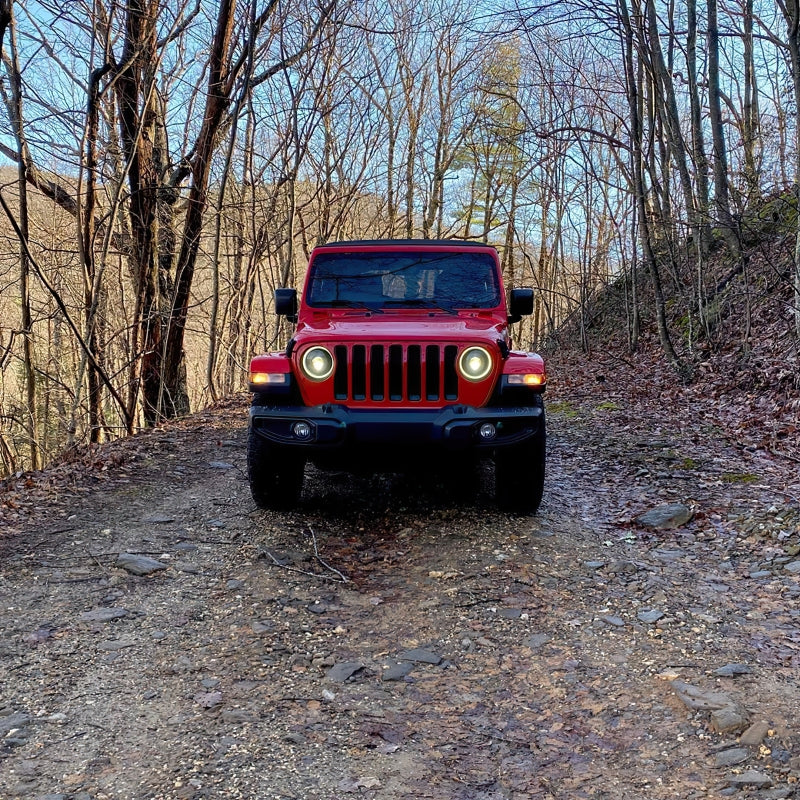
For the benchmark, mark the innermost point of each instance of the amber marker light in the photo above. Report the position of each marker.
(267, 378)
(527, 379)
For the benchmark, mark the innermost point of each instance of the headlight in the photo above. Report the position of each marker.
(317, 363)
(475, 363)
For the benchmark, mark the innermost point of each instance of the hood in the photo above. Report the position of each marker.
(406, 327)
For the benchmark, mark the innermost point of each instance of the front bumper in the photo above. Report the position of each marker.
(453, 428)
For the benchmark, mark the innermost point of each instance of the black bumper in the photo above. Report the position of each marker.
(450, 429)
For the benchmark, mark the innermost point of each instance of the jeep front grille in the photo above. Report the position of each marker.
(396, 373)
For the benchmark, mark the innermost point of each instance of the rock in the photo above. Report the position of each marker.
(221, 465)
(104, 614)
(700, 699)
(13, 721)
(666, 516)
(208, 699)
(420, 656)
(793, 567)
(158, 519)
(594, 564)
(729, 718)
(139, 565)
(238, 716)
(650, 616)
(509, 613)
(616, 622)
(755, 734)
(732, 757)
(731, 670)
(343, 670)
(751, 778)
(537, 641)
(116, 644)
(396, 670)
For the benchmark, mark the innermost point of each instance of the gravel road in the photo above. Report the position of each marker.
(162, 638)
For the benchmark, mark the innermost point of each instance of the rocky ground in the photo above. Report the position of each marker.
(162, 638)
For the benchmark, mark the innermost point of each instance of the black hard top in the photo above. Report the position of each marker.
(395, 242)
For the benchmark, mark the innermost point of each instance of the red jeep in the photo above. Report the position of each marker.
(401, 358)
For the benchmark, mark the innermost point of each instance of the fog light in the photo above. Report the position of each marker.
(487, 431)
(302, 430)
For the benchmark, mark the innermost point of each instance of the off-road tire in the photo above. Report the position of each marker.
(275, 476)
(519, 477)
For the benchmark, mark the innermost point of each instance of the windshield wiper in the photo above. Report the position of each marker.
(419, 302)
(354, 304)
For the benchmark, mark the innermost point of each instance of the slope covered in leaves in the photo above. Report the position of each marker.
(744, 366)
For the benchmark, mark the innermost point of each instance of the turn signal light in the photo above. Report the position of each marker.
(264, 378)
(527, 379)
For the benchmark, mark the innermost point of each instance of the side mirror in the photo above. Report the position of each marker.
(520, 304)
(286, 302)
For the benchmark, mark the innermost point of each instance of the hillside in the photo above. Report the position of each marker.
(162, 638)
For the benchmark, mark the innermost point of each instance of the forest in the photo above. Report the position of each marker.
(165, 166)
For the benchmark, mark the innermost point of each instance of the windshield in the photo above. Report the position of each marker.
(374, 280)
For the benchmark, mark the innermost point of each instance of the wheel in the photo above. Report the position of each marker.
(519, 476)
(275, 476)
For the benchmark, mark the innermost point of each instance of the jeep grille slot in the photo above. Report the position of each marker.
(395, 373)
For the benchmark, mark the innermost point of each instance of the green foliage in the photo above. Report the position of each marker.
(739, 477)
(563, 409)
(775, 216)
(688, 464)
(608, 405)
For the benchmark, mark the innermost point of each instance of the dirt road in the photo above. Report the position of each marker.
(387, 641)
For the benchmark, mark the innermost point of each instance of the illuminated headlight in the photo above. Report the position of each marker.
(317, 363)
(267, 378)
(475, 363)
(527, 379)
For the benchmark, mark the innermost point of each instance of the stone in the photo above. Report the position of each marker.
(208, 699)
(116, 644)
(158, 519)
(396, 670)
(793, 567)
(729, 718)
(420, 656)
(343, 670)
(594, 564)
(509, 613)
(615, 622)
(238, 716)
(700, 699)
(666, 516)
(731, 670)
(139, 565)
(751, 778)
(13, 722)
(221, 465)
(755, 734)
(650, 616)
(104, 614)
(537, 641)
(732, 757)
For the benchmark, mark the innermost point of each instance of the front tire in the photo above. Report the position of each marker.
(275, 476)
(519, 477)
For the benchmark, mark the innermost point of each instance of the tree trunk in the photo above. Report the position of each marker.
(15, 113)
(719, 161)
(633, 91)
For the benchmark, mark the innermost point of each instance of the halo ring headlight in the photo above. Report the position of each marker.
(317, 363)
(475, 363)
